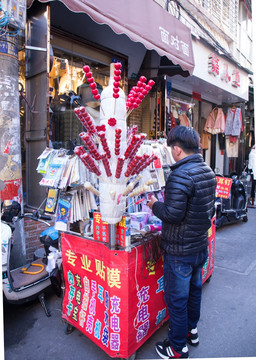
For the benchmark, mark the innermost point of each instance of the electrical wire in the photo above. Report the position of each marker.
(4, 17)
(4, 21)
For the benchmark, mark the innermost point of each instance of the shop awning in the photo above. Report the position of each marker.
(142, 21)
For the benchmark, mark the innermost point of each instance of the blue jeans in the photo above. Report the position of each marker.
(183, 289)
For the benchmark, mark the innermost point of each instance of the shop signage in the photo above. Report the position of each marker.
(221, 69)
(156, 29)
(174, 41)
(223, 187)
(8, 49)
(196, 96)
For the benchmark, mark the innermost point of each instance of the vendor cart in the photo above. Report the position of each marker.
(112, 265)
(116, 297)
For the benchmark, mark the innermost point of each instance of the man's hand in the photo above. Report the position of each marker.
(152, 200)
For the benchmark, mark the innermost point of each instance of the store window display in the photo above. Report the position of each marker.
(69, 89)
(252, 167)
(181, 111)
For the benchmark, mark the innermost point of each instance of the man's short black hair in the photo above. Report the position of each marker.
(185, 137)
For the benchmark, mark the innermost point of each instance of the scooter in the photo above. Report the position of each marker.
(234, 208)
(27, 282)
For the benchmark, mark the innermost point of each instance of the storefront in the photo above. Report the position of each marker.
(97, 194)
(217, 83)
(96, 35)
(112, 259)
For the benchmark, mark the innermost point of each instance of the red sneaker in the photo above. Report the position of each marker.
(166, 351)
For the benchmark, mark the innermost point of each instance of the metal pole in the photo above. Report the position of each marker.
(112, 236)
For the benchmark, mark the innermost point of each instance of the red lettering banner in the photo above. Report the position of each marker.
(223, 187)
(113, 297)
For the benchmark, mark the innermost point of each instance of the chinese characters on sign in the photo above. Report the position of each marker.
(225, 75)
(100, 285)
(223, 187)
(115, 298)
(214, 68)
(174, 41)
(101, 230)
(9, 49)
(84, 293)
(141, 321)
(213, 64)
(236, 78)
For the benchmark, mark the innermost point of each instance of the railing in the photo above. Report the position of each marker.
(222, 12)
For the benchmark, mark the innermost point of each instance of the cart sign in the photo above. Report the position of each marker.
(116, 298)
(223, 187)
(101, 230)
(209, 264)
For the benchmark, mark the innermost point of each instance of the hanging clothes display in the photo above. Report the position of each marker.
(205, 140)
(215, 122)
(184, 120)
(234, 122)
(172, 121)
(221, 138)
(231, 148)
(234, 126)
(252, 161)
(252, 166)
(181, 112)
(206, 137)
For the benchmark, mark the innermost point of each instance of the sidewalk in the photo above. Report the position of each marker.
(227, 327)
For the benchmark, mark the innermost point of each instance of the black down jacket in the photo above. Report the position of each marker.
(188, 206)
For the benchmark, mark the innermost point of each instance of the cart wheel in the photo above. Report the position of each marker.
(132, 357)
(245, 218)
(68, 328)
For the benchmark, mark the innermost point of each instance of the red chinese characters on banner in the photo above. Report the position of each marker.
(101, 230)
(116, 298)
(223, 187)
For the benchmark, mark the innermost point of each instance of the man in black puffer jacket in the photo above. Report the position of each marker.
(186, 217)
